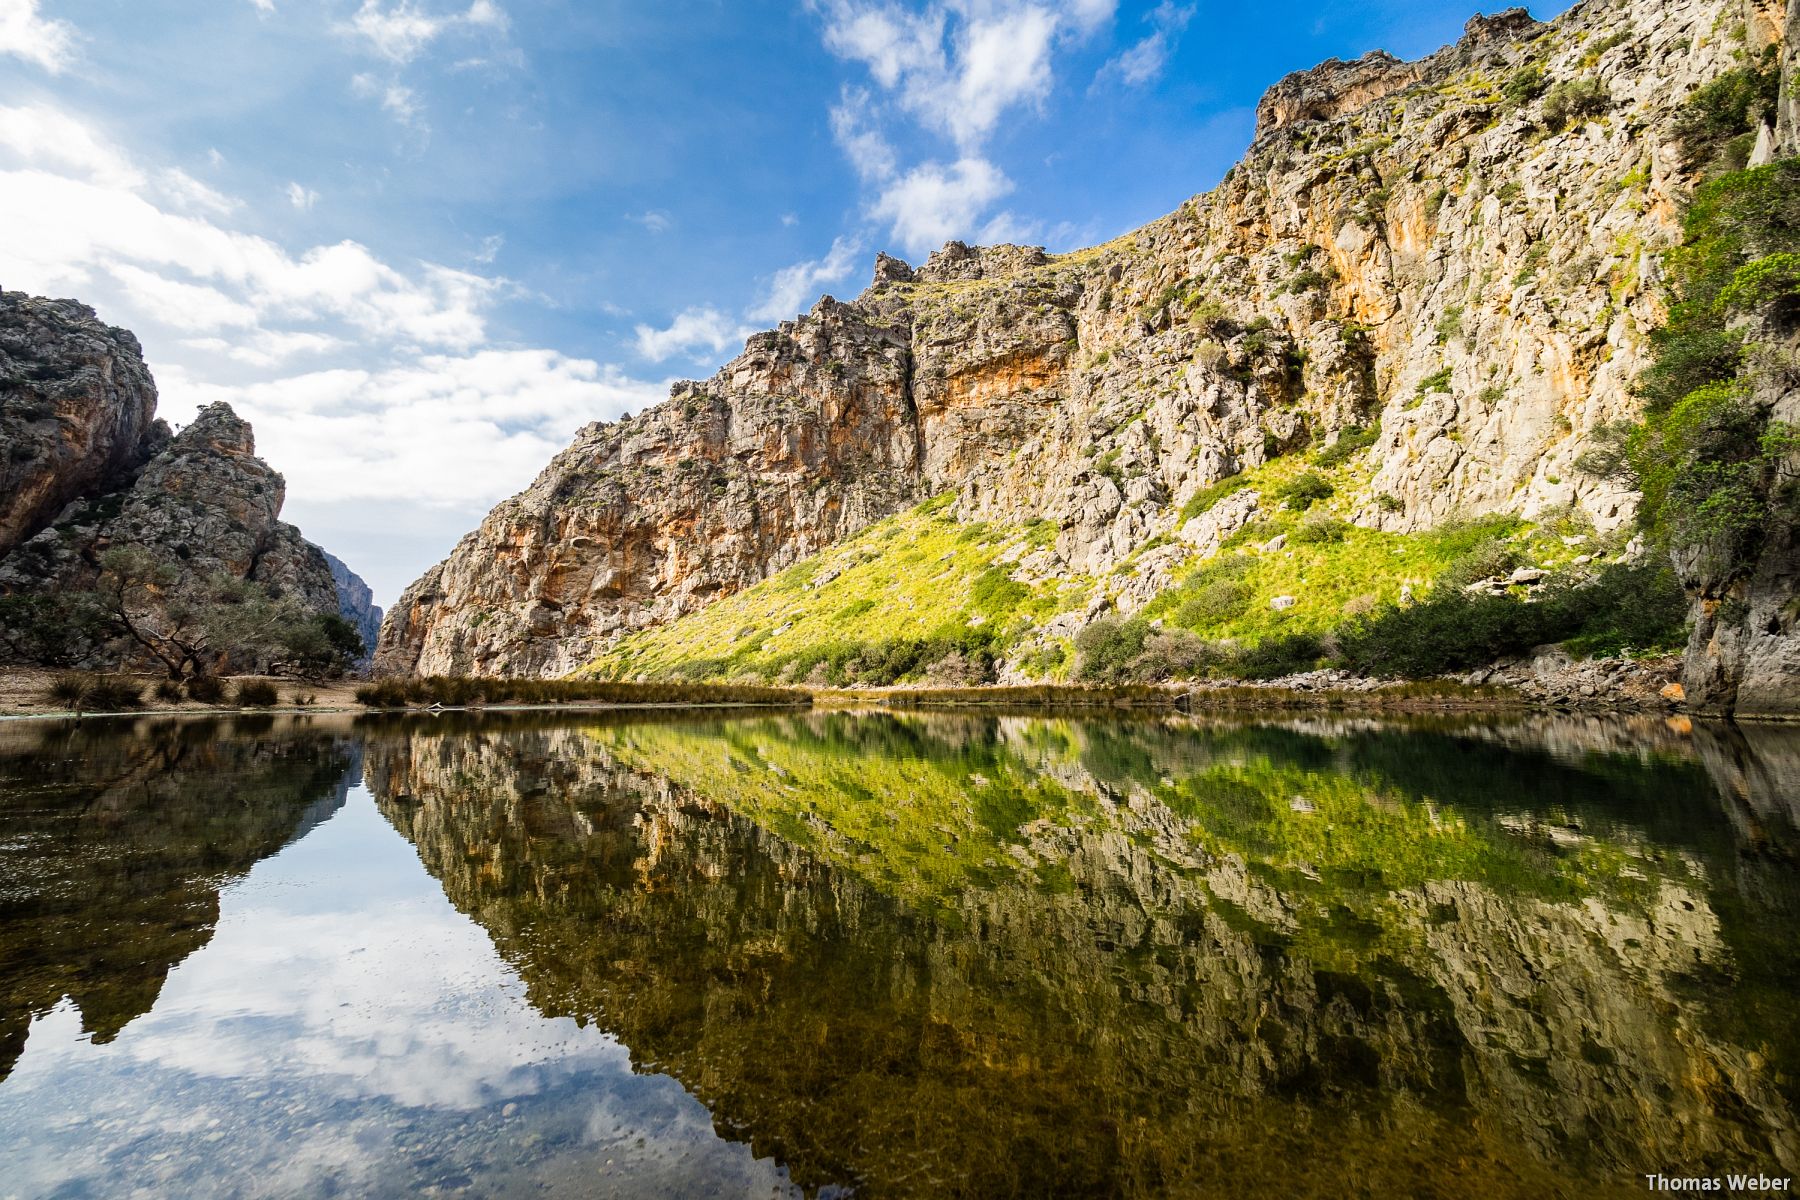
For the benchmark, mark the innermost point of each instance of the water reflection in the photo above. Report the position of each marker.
(925, 955)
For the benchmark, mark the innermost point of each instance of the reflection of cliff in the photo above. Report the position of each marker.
(114, 850)
(1132, 959)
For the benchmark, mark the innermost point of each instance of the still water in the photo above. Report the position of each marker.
(835, 954)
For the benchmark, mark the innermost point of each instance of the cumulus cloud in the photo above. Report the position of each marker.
(694, 329)
(794, 288)
(864, 145)
(25, 33)
(366, 379)
(459, 431)
(301, 197)
(933, 203)
(1143, 61)
(957, 68)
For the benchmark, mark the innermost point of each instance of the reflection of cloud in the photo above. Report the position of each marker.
(343, 1014)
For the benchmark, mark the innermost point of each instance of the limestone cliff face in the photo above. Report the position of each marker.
(807, 436)
(77, 409)
(1404, 243)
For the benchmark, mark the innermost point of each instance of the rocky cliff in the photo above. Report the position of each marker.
(203, 502)
(77, 409)
(356, 603)
(90, 468)
(1457, 260)
(1744, 644)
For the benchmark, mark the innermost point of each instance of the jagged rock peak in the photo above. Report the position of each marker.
(218, 428)
(960, 261)
(1502, 26)
(889, 269)
(1335, 87)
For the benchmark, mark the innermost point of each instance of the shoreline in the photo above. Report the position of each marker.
(1322, 692)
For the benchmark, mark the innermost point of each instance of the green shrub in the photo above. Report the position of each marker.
(76, 691)
(1573, 100)
(452, 691)
(1317, 528)
(1304, 490)
(1638, 606)
(68, 690)
(256, 693)
(1437, 381)
(1351, 440)
(1722, 113)
(996, 593)
(1524, 85)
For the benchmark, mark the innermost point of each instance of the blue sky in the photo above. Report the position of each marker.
(420, 242)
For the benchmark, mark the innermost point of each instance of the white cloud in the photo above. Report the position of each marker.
(267, 348)
(301, 197)
(893, 43)
(957, 77)
(868, 151)
(933, 203)
(694, 329)
(190, 194)
(655, 220)
(400, 32)
(78, 213)
(794, 288)
(264, 6)
(1143, 61)
(958, 68)
(45, 136)
(398, 100)
(185, 306)
(461, 431)
(491, 245)
(27, 34)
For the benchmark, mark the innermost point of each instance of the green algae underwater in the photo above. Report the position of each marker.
(871, 954)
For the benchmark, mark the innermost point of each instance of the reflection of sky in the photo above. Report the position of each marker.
(346, 1029)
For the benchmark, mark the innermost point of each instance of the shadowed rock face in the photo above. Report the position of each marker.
(77, 410)
(1401, 244)
(1007, 956)
(356, 603)
(116, 845)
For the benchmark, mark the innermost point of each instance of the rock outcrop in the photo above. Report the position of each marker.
(356, 604)
(89, 467)
(204, 504)
(1410, 244)
(77, 409)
